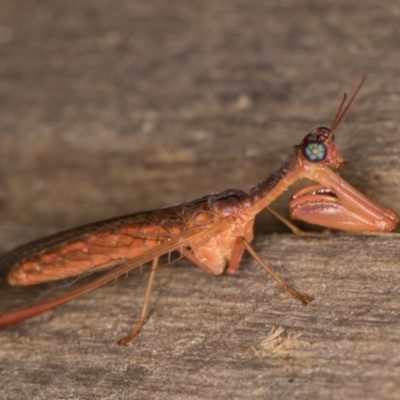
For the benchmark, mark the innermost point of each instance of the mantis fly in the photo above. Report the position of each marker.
(212, 231)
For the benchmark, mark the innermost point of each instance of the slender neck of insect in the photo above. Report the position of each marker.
(272, 187)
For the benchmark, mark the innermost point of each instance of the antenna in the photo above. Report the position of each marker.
(339, 115)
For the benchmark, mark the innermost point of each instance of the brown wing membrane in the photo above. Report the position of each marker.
(122, 242)
(163, 248)
(103, 244)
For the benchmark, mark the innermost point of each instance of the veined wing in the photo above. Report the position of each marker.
(103, 244)
(173, 243)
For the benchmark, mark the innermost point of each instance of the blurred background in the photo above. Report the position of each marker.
(112, 107)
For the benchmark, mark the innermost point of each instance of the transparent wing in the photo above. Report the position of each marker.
(152, 235)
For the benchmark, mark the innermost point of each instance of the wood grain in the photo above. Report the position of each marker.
(109, 110)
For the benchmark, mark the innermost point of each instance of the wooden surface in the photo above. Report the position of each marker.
(114, 107)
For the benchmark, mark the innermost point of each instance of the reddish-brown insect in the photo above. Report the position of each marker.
(212, 231)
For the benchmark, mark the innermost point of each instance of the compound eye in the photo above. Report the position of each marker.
(315, 151)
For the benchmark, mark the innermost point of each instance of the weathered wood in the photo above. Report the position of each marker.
(112, 109)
